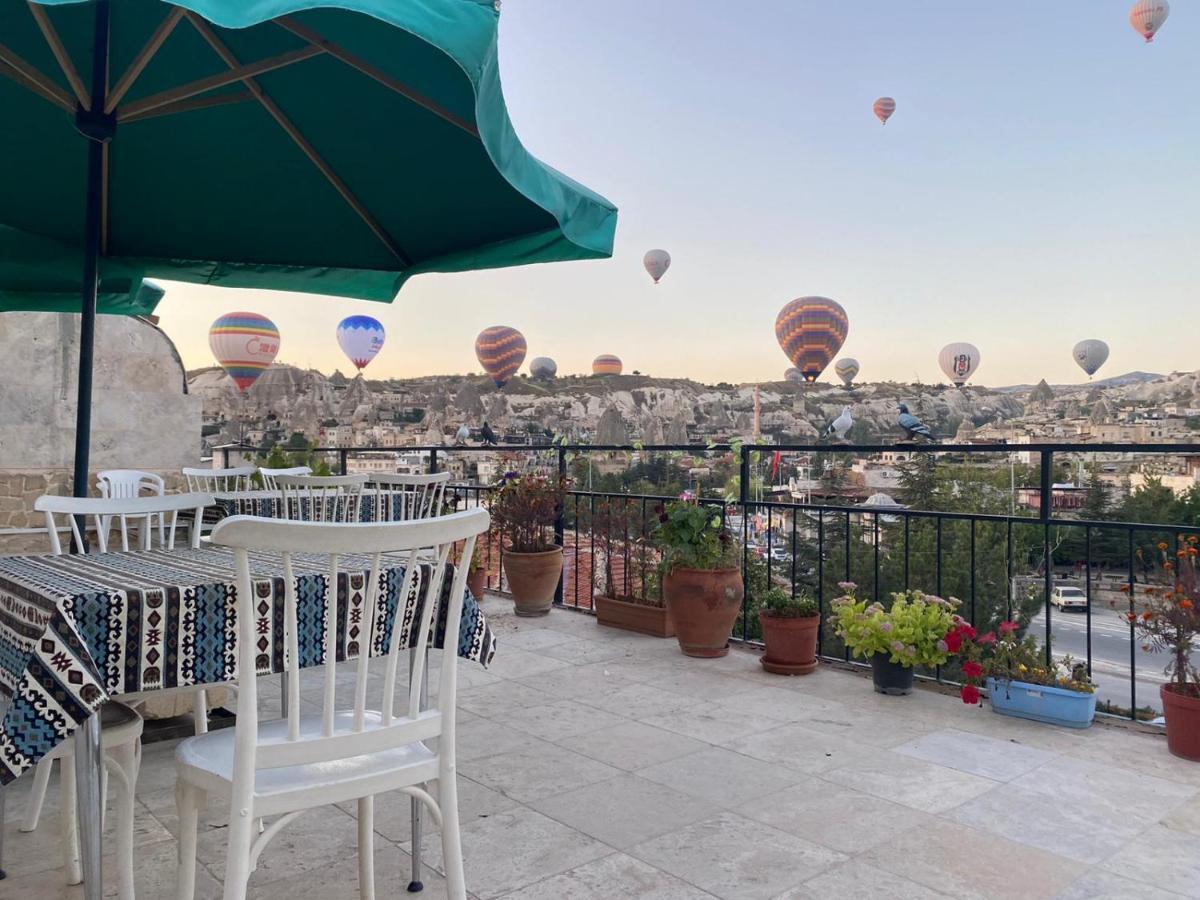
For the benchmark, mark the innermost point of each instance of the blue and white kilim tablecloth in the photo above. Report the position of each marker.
(76, 630)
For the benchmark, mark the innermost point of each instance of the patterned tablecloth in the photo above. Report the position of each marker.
(76, 630)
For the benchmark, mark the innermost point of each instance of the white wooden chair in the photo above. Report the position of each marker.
(268, 475)
(320, 498)
(120, 484)
(219, 481)
(405, 497)
(283, 767)
(103, 512)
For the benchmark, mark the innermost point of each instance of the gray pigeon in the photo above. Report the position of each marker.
(913, 427)
(840, 426)
(462, 435)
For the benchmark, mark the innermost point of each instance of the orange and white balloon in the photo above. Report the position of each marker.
(606, 364)
(1147, 16)
(884, 107)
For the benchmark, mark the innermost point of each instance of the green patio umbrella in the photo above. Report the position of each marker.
(332, 147)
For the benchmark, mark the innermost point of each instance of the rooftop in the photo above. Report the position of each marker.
(600, 765)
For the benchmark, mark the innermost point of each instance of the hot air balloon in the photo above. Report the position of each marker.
(846, 369)
(884, 107)
(606, 364)
(959, 362)
(500, 350)
(361, 339)
(1090, 355)
(245, 344)
(1147, 16)
(657, 262)
(543, 367)
(811, 330)
(794, 375)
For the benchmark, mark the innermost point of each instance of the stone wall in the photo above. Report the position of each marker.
(142, 415)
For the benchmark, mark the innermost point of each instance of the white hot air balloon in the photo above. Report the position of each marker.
(361, 339)
(959, 361)
(1090, 355)
(846, 369)
(543, 367)
(1147, 16)
(657, 262)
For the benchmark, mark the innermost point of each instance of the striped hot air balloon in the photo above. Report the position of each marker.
(1147, 16)
(245, 344)
(606, 364)
(846, 369)
(500, 350)
(884, 107)
(811, 330)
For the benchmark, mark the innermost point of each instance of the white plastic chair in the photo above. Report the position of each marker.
(103, 511)
(416, 496)
(320, 498)
(121, 742)
(268, 475)
(120, 484)
(283, 767)
(218, 481)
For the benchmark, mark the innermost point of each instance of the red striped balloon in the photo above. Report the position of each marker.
(245, 344)
(811, 331)
(606, 364)
(500, 350)
(884, 107)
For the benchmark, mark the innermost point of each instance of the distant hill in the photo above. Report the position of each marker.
(1116, 381)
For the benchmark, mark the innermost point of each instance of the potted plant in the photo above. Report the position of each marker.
(702, 582)
(1020, 682)
(916, 630)
(524, 510)
(1170, 622)
(789, 628)
(477, 571)
(623, 600)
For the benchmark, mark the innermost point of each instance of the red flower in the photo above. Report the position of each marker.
(987, 639)
(953, 640)
(1009, 627)
(972, 669)
(967, 631)
(970, 694)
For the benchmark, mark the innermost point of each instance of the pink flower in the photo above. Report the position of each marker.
(886, 627)
(943, 647)
(1009, 627)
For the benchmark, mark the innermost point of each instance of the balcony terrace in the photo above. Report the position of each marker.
(601, 765)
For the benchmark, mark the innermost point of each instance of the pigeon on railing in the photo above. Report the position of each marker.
(840, 427)
(913, 427)
(462, 435)
(489, 436)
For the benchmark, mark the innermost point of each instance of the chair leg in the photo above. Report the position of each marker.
(188, 804)
(237, 865)
(68, 818)
(366, 848)
(452, 861)
(124, 761)
(37, 794)
(200, 711)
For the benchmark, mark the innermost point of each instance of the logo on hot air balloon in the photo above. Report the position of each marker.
(959, 362)
(1147, 16)
(500, 351)
(1091, 355)
(361, 339)
(606, 364)
(811, 330)
(245, 344)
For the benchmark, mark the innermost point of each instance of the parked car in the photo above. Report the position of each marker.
(1069, 598)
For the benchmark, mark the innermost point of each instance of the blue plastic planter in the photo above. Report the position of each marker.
(1053, 705)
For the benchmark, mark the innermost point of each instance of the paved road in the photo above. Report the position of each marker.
(1110, 653)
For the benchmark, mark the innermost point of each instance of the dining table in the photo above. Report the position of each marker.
(77, 630)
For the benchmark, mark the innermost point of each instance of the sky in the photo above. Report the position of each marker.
(1038, 184)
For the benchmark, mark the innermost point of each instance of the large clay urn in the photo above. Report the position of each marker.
(703, 604)
(532, 579)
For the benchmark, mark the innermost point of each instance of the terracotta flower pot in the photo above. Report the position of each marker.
(703, 604)
(1182, 712)
(532, 578)
(477, 582)
(791, 643)
(640, 617)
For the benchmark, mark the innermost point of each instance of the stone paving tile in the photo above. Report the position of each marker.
(883, 730)
(580, 682)
(781, 704)
(561, 719)
(911, 782)
(857, 880)
(737, 859)
(523, 663)
(715, 724)
(393, 810)
(626, 810)
(798, 748)
(642, 702)
(1163, 858)
(578, 652)
(722, 776)
(966, 863)
(497, 701)
(614, 877)
(1101, 885)
(632, 745)
(537, 772)
(973, 753)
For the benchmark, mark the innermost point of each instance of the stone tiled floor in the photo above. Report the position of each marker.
(598, 765)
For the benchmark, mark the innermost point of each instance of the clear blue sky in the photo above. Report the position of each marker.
(1038, 184)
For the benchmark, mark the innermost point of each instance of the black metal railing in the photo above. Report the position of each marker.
(1000, 565)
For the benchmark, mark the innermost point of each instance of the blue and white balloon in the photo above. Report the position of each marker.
(361, 339)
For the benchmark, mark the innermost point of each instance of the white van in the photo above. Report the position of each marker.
(1069, 598)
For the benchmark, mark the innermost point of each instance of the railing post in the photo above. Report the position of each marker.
(743, 501)
(560, 523)
(1046, 501)
(224, 457)
(433, 461)
(344, 460)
